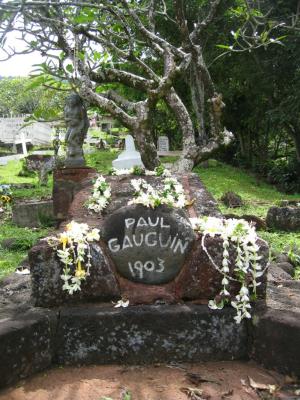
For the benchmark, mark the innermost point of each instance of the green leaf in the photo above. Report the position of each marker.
(223, 46)
(97, 55)
(70, 68)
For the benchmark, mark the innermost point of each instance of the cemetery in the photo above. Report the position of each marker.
(146, 251)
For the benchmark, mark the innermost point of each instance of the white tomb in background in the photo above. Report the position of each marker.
(129, 157)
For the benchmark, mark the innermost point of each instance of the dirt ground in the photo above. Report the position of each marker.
(213, 380)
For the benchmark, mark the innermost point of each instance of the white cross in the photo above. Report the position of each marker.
(23, 140)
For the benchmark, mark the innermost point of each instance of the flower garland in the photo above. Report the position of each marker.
(101, 195)
(73, 249)
(158, 171)
(5, 195)
(247, 268)
(172, 193)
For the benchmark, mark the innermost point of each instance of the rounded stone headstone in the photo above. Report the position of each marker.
(148, 245)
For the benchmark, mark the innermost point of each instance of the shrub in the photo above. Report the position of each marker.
(284, 173)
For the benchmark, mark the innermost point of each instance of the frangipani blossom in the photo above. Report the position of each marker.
(245, 269)
(75, 253)
(101, 195)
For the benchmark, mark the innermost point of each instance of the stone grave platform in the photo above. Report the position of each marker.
(153, 259)
(33, 213)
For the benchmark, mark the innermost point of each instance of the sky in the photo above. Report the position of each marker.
(20, 65)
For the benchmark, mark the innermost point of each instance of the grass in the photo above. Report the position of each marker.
(24, 239)
(101, 160)
(9, 175)
(257, 195)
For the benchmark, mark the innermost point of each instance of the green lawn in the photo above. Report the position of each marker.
(101, 160)
(24, 239)
(257, 195)
(9, 175)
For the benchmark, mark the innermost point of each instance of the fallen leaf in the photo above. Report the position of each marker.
(196, 379)
(262, 386)
(195, 393)
(227, 394)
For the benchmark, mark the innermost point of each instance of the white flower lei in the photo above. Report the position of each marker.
(246, 268)
(172, 193)
(130, 171)
(101, 195)
(75, 251)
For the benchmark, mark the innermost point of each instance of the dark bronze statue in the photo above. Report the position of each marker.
(77, 124)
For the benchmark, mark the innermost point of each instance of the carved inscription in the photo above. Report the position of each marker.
(148, 247)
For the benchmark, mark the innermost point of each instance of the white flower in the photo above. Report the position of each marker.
(244, 291)
(214, 306)
(122, 303)
(211, 226)
(149, 173)
(225, 281)
(166, 173)
(243, 237)
(194, 222)
(101, 195)
(123, 171)
(172, 193)
(93, 235)
(75, 253)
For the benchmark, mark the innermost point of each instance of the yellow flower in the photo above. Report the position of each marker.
(64, 239)
(79, 273)
(5, 199)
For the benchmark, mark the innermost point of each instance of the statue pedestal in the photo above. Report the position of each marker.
(66, 183)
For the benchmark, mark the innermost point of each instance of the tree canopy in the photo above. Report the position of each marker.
(143, 59)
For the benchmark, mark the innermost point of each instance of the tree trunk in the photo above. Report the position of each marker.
(198, 102)
(295, 134)
(144, 137)
(146, 147)
(189, 147)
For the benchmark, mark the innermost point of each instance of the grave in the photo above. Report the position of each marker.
(22, 141)
(163, 144)
(33, 213)
(43, 164)
(129, 157)
(39, 132)
(154, 259)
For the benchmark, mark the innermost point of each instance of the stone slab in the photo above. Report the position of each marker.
(276, 340)
(148, 245)
(26, 343)
(46, 271)
(34, 339)
(284, 218)
(148, 334)
(33, 214)
(163, 143)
